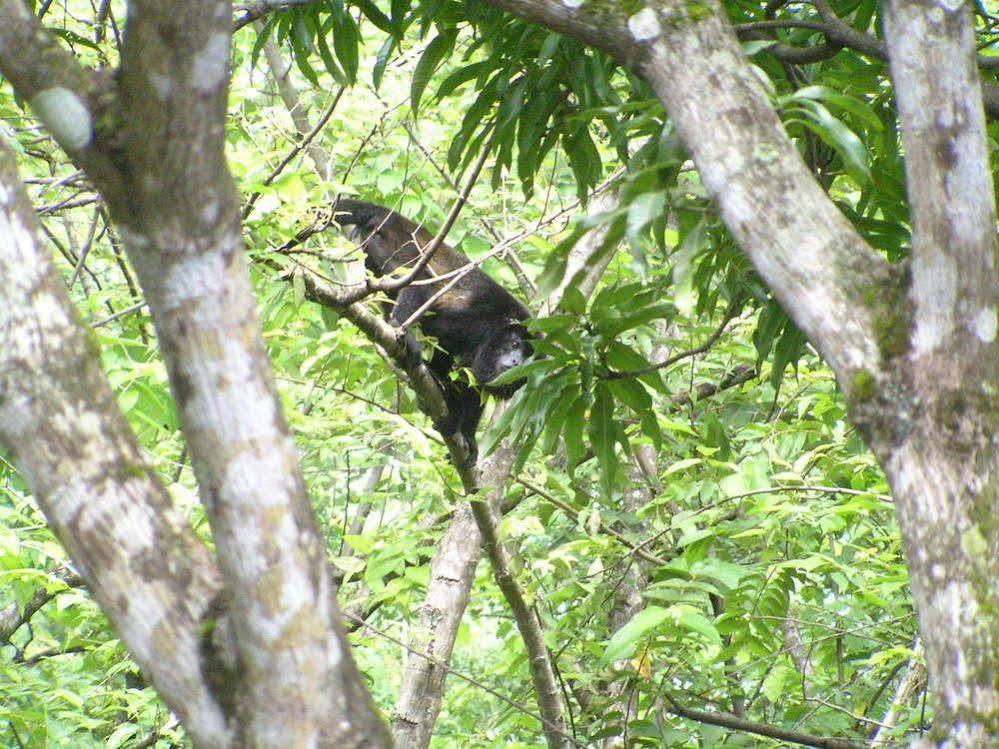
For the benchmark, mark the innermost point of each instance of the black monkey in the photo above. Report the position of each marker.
(477, 323)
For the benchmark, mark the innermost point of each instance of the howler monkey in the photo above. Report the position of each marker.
(477, 323)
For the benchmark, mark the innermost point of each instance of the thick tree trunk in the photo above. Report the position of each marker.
(935, 423)
(915, 353)
(945, 480)
(152, 139)
(69, 440)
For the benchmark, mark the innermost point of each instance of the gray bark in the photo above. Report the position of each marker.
(941, 453)
(66, 435)
(452, 572)
(152, 140)
(281, 73)
(916, 355)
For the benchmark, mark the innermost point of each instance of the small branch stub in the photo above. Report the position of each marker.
(66, 117)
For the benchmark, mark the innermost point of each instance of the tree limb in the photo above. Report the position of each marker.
(69, 439)
(946, 146)
(806, 250)
(839, 35)
(760, 729)
(12, 618)
(67, 98)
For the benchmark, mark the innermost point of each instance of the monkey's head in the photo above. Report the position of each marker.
(507, 347)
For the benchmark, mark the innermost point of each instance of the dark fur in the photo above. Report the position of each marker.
(477, 323)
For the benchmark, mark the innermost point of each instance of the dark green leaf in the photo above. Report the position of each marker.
(346, 41)
(431, 58)
(460, 77)
(262, 36)
(603, 436)
(381, 61)
(574, 427)
(573, 301)
(329, 63)
(379, 19)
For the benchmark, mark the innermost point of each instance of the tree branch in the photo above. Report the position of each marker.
(74, 448)
(251, 11)
(810, 255)
(67, 98)
(12, 618)
(839, 34)
(760, 729)
(949, 184)
(528, 624)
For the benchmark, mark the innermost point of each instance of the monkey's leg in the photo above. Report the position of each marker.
(464, 406)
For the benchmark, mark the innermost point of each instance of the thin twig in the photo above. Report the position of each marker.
(732, 311)
(726, 720)
(464, 677)
(299, 147)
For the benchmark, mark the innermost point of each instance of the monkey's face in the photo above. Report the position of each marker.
(507, 348)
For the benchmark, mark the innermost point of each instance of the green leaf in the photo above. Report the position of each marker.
(262, 36)
(399, 9)
(697, 622)
(787, 351)
(634, 396)
(603, 435)
(72, 37)
(556, 419)
(430, 60)
(622, 643)
(302, 59)
(382, 60)
(860, 109)
(631, 394)
(573, 433)
(301, 30)
(548, 48)
(346, 41)
(725, 573)
(694, 242)
(460, 77)
(329, 62)
(781, 680)
(614, 328)
(573, 301)
(379, 19)
(557, 261)
(837, 136)
(642, 210)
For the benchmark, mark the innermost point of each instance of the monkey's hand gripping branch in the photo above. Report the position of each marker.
(395, 344)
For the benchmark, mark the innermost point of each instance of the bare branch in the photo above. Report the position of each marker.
(529, 626)
(760, 729)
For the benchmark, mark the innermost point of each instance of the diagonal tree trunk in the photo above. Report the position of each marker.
(914, 349)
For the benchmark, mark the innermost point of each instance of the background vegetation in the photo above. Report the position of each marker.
(704, 538)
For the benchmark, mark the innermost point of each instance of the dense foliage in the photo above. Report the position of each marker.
(754, 569)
